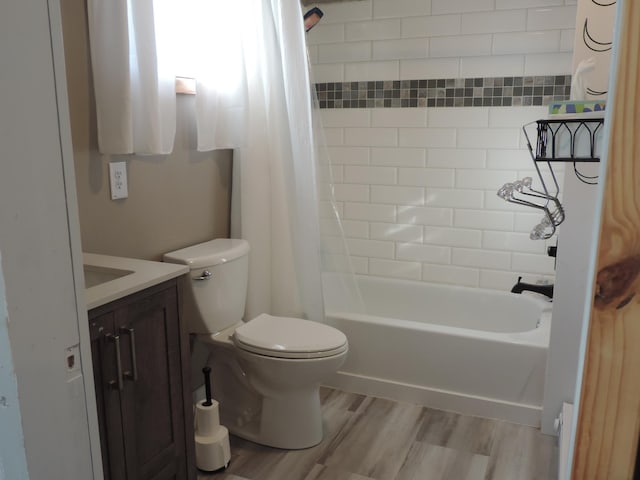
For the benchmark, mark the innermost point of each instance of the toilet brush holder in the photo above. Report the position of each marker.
(211, 438)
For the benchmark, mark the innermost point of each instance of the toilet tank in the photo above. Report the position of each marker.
(217, 289)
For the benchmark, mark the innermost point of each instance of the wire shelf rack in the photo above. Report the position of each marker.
(561, 140)
(568, 141)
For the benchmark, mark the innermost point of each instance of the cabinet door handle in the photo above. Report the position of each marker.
(133, 375)
(120, 382)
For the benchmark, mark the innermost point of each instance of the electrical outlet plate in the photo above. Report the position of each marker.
(118, 180)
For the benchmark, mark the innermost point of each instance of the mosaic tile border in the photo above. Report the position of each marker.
(445, 92)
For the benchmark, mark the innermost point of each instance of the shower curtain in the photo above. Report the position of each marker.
(274, 201)
(341, 292)
(275, 190)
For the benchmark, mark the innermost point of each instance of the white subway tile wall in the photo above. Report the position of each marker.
(477, 38)
(372, 30)
(434, 24)
(430, 68)
(552, 63)
(526, 42)
(461, 6)
(490, 66)
(399, 117)
(344, 52)
(460, 46)
(430, 212)
(328, 72)
(416, 187)
(400, 8)
(551, 18)
(395, 269)
(494, 22)
(353, 72)
(566, 40)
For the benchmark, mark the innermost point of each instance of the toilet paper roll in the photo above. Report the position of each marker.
(213, 452)
(207, 418)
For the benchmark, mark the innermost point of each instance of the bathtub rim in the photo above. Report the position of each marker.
(538, 337)
(544, 303)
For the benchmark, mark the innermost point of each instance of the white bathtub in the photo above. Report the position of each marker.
(473, 351)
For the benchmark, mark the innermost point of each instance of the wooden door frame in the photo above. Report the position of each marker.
(608, 418)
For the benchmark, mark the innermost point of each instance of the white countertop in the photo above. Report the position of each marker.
(124, 276)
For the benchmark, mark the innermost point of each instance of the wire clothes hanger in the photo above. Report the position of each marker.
(521, 192)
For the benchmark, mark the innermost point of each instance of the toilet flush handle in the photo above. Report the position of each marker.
(206, 275)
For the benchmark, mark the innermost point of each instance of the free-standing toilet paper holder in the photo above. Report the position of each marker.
(212, 439)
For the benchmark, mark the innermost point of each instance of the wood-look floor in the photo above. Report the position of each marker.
(369, 438)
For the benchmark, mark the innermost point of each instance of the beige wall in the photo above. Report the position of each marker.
(174, 200)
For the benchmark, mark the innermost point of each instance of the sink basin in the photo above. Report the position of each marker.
(94, 275)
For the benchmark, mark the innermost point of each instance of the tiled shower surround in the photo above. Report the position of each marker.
(416, 191)
(415, 180)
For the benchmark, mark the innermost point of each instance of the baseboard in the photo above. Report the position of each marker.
(440, 399)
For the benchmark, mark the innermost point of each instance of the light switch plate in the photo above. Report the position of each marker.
(118, 180)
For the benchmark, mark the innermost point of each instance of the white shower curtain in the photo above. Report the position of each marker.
(274, 192)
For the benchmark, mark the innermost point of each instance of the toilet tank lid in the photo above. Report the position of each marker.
(208, 254)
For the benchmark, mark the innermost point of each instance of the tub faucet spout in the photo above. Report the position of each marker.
(543, 289)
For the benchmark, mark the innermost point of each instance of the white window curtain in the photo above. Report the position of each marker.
(138, 47)
(133, 75)
(222, 48)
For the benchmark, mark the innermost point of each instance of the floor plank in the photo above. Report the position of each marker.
(522, 452)
(377, 439)
(322, 472)
(460, 432)
(435, 462)
(220, 476)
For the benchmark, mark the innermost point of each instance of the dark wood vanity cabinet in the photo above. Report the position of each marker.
(140, 363)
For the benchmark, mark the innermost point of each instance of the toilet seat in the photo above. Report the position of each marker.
(292, 338)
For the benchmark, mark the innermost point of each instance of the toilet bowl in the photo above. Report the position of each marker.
(266, 372)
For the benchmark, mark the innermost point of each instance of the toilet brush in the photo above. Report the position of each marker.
(212, 439)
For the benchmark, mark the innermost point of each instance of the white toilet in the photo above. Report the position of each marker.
(265, 372)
